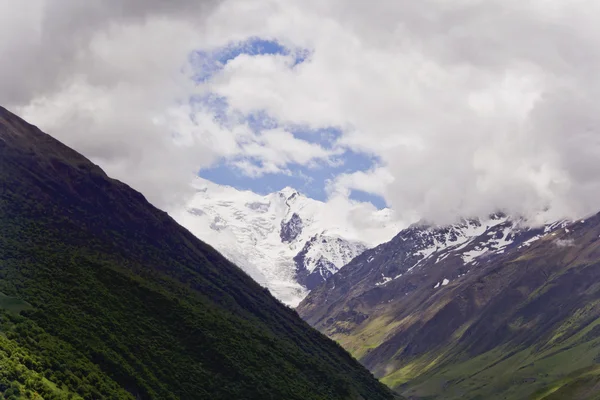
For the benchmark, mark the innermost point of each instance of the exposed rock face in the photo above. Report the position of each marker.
(291, 229)
(313, 262)
(118, 301)
(286, 241)
(489, 308)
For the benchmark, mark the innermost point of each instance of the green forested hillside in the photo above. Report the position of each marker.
(106, 297)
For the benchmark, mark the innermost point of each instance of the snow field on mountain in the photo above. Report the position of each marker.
(263, 234)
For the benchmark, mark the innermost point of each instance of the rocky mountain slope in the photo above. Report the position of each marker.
(489, 309)
(284, 240)
(104, 296)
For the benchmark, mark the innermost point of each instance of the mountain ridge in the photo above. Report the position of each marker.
(111, 298)
(286, 241)
(507, 313)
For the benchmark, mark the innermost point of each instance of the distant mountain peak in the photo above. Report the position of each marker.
(488, 289)
(284, 240)
(104, 296)
(291, 229)
(289, 192)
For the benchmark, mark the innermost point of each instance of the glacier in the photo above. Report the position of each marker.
(286, 241)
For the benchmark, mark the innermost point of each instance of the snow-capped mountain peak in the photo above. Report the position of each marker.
(286, 241)
(463, 245)
(288, 192)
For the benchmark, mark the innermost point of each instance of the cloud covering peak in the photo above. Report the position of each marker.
(467, 106)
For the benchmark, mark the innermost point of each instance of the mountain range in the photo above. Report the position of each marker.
(488, 308)
(103, 296)
(286, 241)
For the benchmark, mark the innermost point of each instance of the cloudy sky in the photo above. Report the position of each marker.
(435, 108)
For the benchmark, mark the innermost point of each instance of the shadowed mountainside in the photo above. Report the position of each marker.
(509, 312)
(106, 297)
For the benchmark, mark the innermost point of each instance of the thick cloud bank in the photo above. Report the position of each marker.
(469, 105)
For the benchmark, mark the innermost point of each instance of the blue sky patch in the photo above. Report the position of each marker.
(311, 180)
(207, 63)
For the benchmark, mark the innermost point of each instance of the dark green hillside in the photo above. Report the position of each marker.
(106, 297)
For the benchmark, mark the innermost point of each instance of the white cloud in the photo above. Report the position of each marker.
(274, 149)
(373, 181)
(469, 105)
(564, 242)
(96, 75)
(110, 80)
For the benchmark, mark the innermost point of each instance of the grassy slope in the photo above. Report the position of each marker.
(509, 373)
(550, 344)
(527, 326)
(122, 302)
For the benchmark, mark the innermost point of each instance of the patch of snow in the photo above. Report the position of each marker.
(498, 244)
(384, 280)
(469, 256)
(442, 283)
(245, 227)
(333, 252)
(530, 241)
(555, 225)
(442, 258)
(564, 242)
